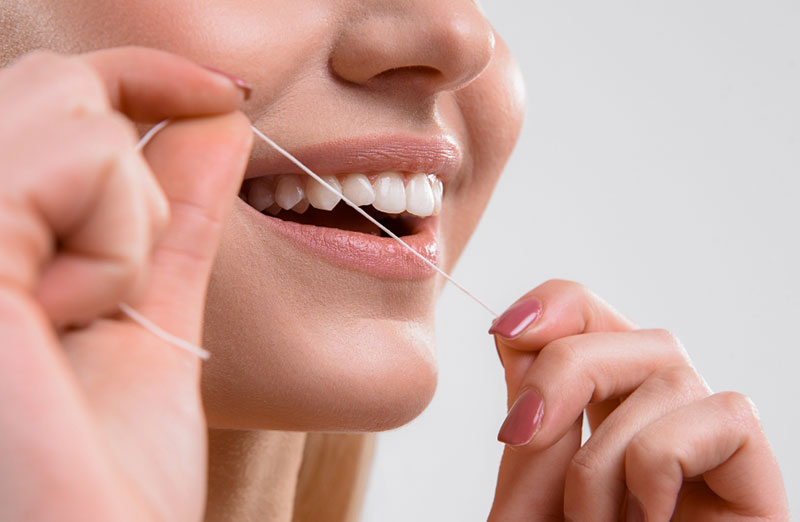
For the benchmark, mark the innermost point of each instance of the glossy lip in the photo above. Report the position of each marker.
(438, 155)
(377, 256)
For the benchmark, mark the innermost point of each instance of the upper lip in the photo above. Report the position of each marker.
(439, 155)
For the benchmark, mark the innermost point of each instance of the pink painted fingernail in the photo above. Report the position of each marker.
(244, 85)
(635, 511)
(523, 420)
(517, 318)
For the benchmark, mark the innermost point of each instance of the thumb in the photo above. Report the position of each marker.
(199, 164)
(530, 483)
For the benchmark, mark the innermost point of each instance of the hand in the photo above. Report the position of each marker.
(104, 422)
(663, 447)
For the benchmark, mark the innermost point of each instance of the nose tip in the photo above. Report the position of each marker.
(434, 45)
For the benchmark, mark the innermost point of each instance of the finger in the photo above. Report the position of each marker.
(87, 196)
(530, 483)
(149, 85)
(595, 483)
(552, 310)
(199, 163)
(96, 266)
(104, 208)
(45, 87)
(44, 425)
(719, 438)
(572, 372)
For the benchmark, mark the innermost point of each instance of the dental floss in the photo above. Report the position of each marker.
(143, 321)
(204, 354)
(153, 328)
(374, 221)
(149, 134)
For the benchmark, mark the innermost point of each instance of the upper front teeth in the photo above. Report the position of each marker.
(320, 196)
(391, 192)
(289, 192)
(419, 196)
(358, 189)
(260, 196)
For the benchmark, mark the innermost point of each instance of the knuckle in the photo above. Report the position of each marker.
(564, 352)
(40, 59)
(125, 269)
(667, 339)
(740, 407)
(598, 313)
(565, 285)
(77, 87)
(641, 450)
(681, 378)
(669, 342)
(585, 465)
(85, 80)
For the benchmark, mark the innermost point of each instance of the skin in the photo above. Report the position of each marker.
(385, 353)
(356, 354)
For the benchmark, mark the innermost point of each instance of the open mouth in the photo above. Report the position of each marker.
(399, 201)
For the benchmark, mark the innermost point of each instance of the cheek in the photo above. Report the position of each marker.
(493, 108)
(273, 43)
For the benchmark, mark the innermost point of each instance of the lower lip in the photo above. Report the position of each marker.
(377, 256)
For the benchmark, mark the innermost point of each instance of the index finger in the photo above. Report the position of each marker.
(149, 85)
(554, 310)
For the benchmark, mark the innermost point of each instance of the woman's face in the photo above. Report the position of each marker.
(326, 326)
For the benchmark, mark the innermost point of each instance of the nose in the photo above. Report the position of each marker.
(429, 45)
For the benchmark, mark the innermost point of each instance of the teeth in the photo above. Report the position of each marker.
(289, 192)
(390, 193)
(358, 189)
(319, 196)
(419, 196)
(260, 195)
(301, 207)
(438, 191)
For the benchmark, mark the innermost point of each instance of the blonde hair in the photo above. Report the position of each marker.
(333, 477)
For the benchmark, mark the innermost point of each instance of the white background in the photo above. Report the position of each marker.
(659, 165)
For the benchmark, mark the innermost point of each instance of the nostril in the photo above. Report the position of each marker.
(428, 45)
(408, 75)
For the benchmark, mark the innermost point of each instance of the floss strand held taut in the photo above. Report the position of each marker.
(203, 354)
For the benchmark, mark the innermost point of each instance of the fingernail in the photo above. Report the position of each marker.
(244, 85)
(523, 420)
(517, 318)
(635, 511)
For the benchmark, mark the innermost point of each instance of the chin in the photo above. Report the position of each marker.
(300, 343)
(392, 382)
(364, 375)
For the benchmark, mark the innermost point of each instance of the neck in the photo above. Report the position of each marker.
(252, 475)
